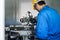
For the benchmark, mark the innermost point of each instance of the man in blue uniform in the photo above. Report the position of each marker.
(48, 27)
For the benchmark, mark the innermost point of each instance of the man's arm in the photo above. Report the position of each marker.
(42, 27)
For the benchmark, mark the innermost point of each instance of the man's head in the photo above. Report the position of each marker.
(39, 5)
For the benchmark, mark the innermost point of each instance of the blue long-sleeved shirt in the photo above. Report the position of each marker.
(48, 24)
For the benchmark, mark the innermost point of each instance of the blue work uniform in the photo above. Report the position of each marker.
(48, 24)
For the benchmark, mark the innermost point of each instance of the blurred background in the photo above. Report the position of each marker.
(20, 18)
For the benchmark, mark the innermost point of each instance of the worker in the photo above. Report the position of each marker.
(48, 19)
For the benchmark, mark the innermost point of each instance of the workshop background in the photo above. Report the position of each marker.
(18, 15)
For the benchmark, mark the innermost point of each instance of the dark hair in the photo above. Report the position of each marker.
(41, 2)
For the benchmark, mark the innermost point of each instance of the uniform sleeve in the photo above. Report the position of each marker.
(42, 27)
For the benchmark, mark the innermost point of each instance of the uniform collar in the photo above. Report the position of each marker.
(46, 6)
